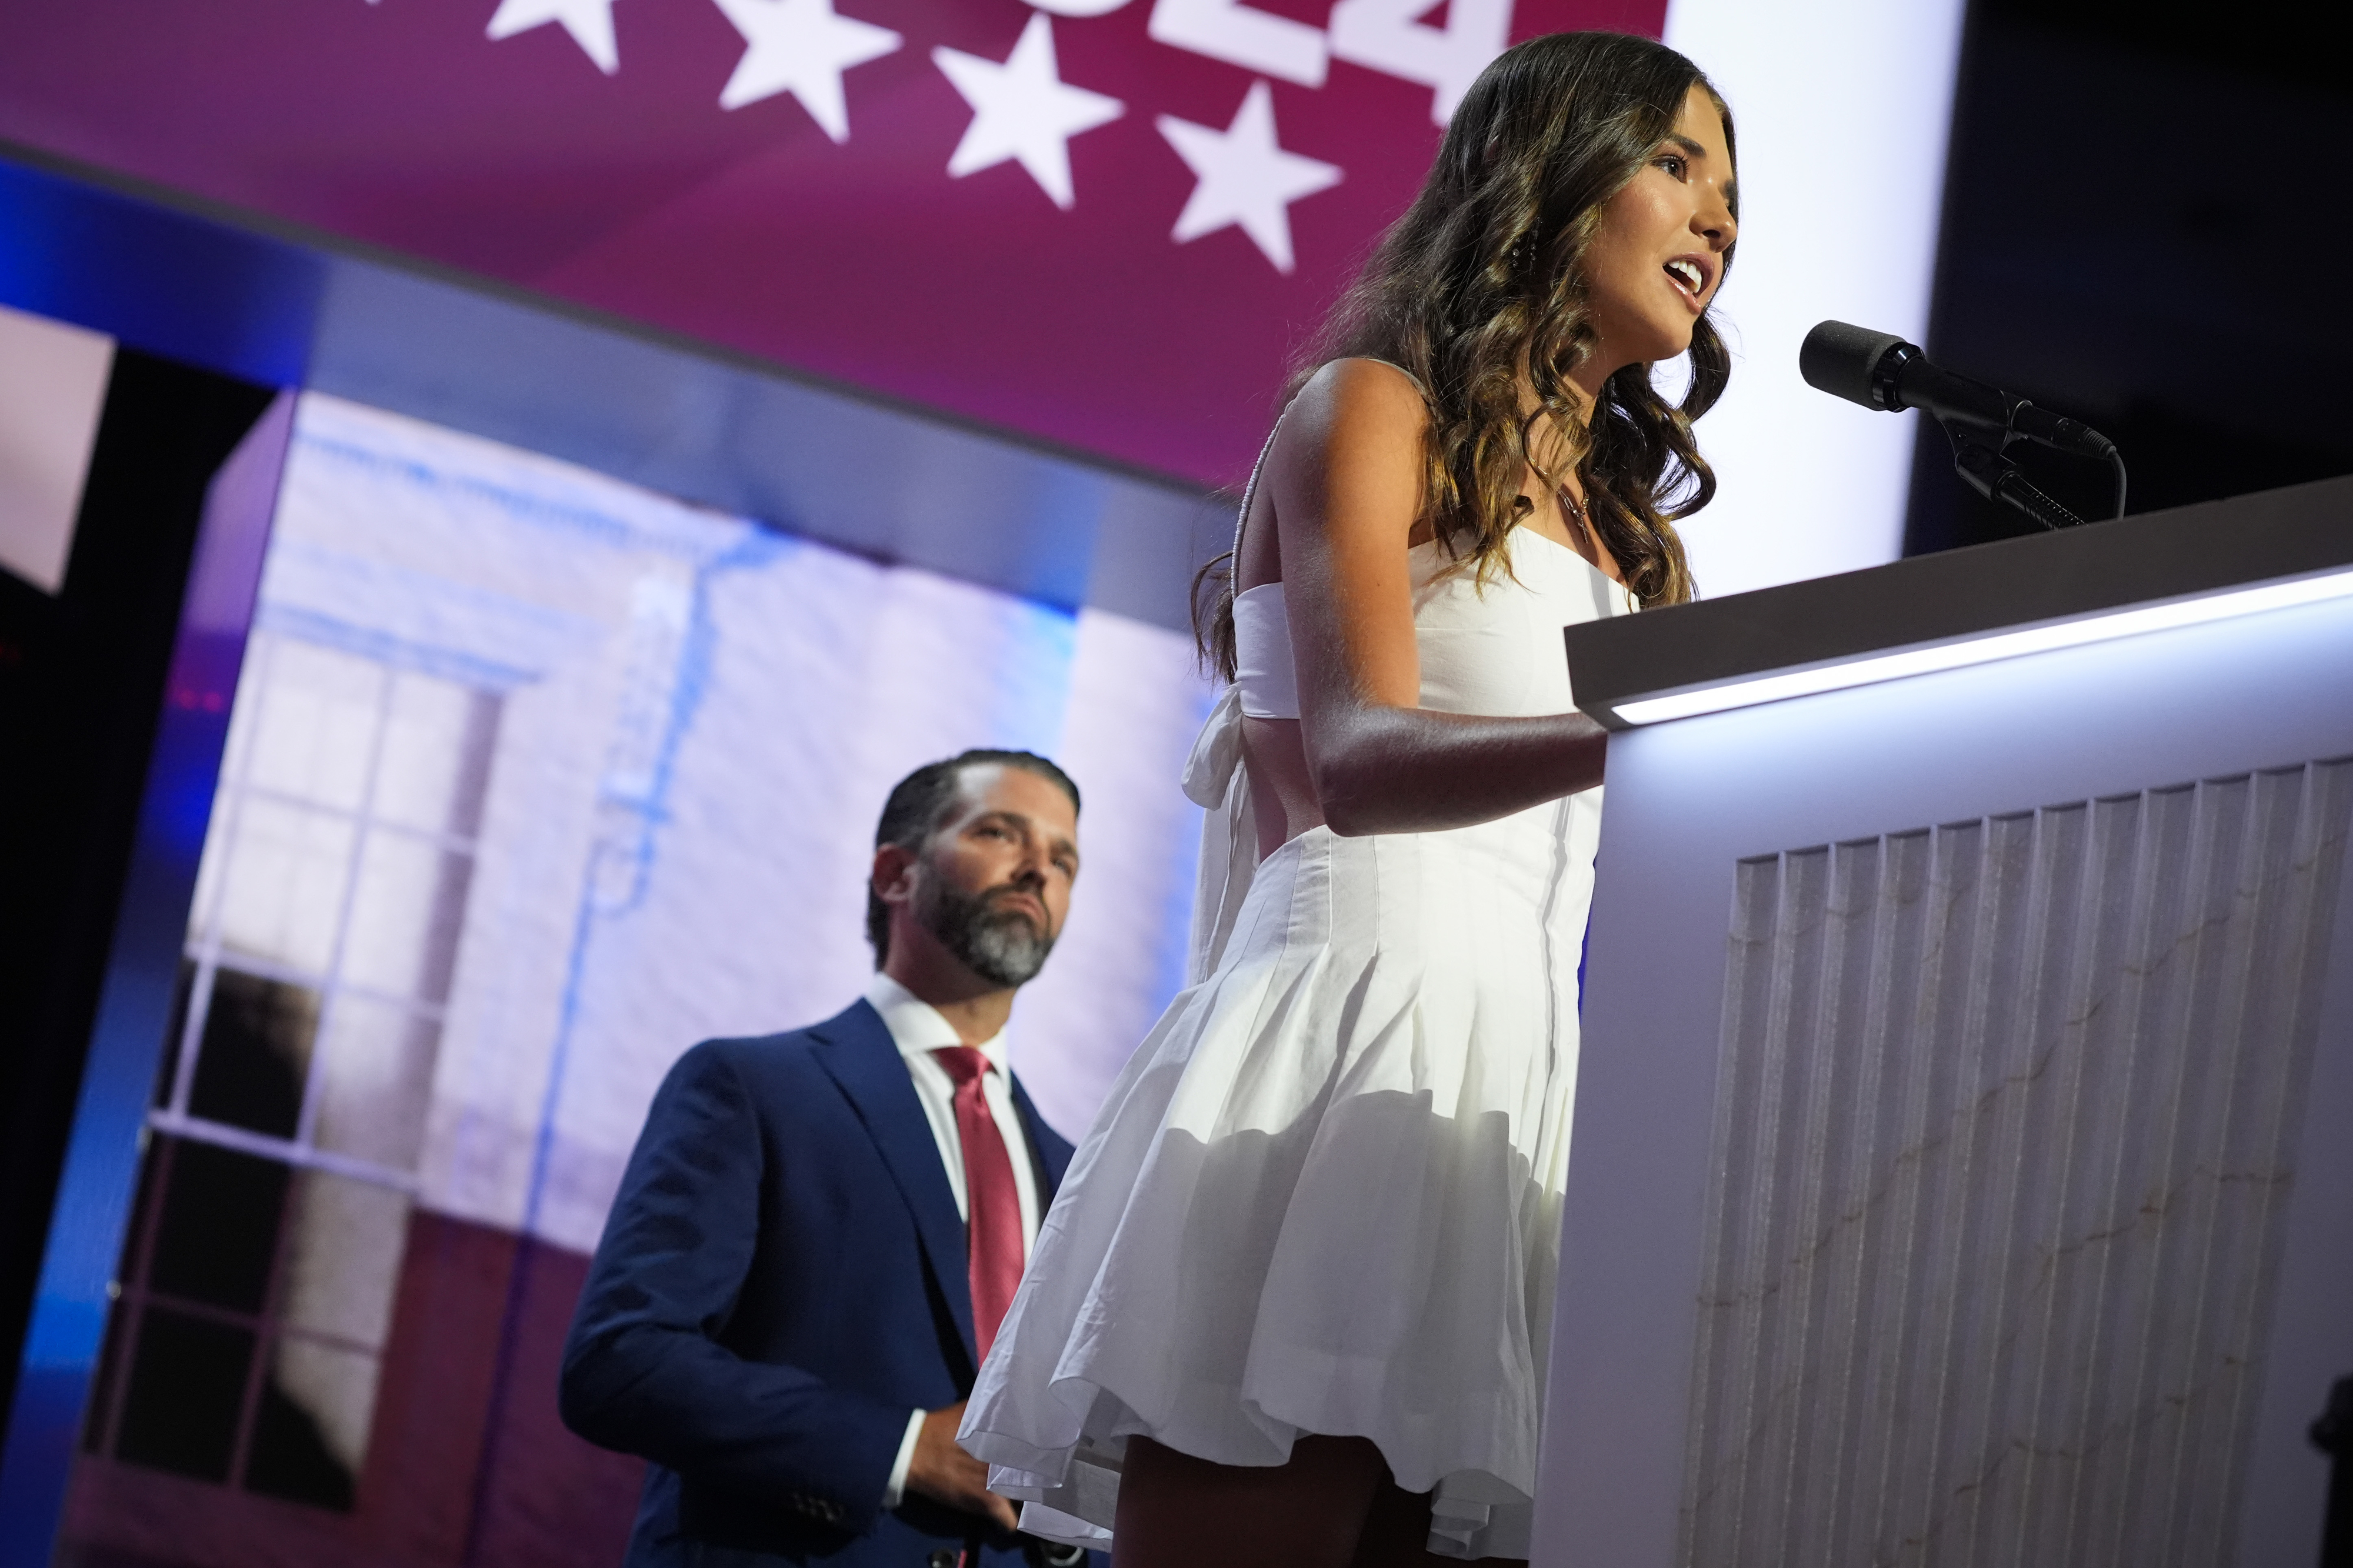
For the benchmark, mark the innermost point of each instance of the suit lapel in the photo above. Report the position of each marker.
(864, 1060)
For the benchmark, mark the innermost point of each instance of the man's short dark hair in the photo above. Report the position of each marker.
(919, 800)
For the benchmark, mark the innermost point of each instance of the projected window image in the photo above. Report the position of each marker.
(329, 907)
(533, 780)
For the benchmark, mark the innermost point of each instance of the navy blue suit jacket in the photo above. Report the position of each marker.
(782, 1281)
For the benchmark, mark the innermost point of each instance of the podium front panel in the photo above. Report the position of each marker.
(1959, 1172)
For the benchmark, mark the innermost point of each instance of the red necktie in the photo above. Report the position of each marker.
(992, 1203)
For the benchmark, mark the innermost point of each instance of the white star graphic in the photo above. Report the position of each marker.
(590, 23)
(800, 47)
(1242, 176)
(1023, 108)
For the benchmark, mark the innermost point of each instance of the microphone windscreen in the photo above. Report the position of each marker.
(1838, 359)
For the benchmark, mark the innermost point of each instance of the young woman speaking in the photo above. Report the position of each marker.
(1292, 1306)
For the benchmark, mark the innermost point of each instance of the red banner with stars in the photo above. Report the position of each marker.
(1104, 223)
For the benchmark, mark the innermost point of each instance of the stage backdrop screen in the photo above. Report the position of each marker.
(1104, 223)
(1099, 221)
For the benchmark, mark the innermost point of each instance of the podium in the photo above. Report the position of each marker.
(1962, 1170)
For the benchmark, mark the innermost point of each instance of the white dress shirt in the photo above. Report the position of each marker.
(918, 1030)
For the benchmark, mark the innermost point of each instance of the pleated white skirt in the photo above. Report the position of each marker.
(1324, 1195)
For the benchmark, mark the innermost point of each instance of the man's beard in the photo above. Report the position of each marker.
(1004, 947)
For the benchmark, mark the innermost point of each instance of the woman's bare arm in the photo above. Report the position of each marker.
(1344, 479)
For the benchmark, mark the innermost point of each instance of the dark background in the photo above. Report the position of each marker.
(2147, 211)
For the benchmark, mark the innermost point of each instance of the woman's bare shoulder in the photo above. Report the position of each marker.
(1363, 391)
(1360, 414)
(1348, 460)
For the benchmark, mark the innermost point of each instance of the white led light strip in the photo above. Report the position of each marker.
(1986, 649)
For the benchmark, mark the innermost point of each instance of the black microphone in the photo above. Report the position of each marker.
(1880, 369)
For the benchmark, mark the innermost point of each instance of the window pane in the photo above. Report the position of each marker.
(436, 745)
(375, 1082)
(406, 915)
(310, 1433)
(255, 1053)
(284, 873)
(315, 727)
(343, 1246)
(424, 751)
(187, 1381)
(217, 1234)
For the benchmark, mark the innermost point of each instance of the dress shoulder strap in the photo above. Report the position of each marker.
(1401, 371)
(1249, 490)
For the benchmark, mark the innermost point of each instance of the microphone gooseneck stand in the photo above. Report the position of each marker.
(1977, 458)
(1880, 371)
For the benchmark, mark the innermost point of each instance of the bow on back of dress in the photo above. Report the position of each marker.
(1216, 781)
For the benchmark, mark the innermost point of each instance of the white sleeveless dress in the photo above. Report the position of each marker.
(1325, 1195)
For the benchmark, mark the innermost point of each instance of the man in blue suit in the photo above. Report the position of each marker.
(820, 1231)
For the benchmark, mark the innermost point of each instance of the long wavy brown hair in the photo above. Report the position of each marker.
(1482, 275)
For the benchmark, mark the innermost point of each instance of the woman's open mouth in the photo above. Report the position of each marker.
(1689, 276)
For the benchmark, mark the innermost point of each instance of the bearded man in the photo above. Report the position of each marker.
(820, 1231)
